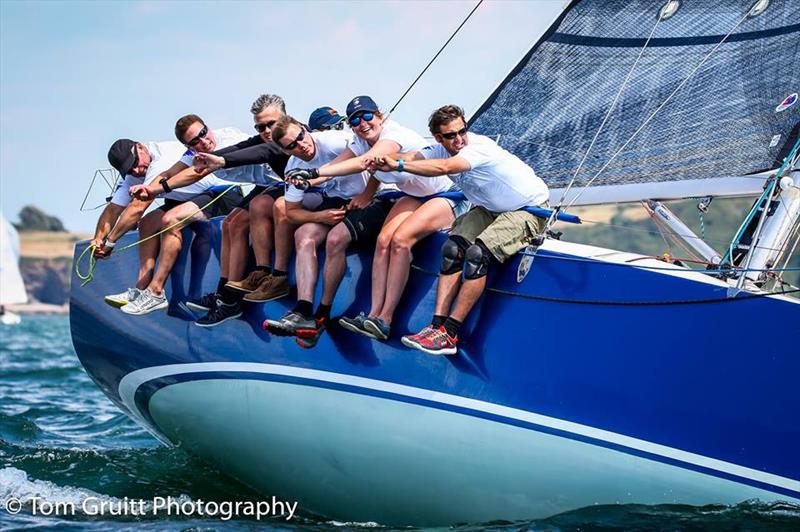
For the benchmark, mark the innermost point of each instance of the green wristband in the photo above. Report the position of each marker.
(401, 164)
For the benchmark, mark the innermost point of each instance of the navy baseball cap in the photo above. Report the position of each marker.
(324, 117)
(122, 156)
(361, 104)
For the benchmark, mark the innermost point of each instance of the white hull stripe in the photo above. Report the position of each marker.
(132, 381)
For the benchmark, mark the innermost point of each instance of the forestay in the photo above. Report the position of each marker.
(735, 116)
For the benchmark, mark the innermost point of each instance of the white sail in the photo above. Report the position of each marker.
(12, 289)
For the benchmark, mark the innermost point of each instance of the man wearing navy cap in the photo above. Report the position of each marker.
(325, 118)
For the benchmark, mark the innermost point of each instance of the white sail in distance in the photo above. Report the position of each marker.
(12, 288)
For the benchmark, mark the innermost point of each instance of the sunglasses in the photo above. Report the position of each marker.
(201, 135)
(292, 145)
(264, 126)
(450, 135)
(354, 121)
(337, 126)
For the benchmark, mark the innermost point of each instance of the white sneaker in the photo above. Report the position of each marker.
(120, 300)
(146, 303)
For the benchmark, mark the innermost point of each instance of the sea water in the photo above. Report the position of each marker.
(63, 443)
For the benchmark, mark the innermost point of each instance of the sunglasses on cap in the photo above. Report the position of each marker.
(450, 135)
(194, 140)
(354, 121)
(338, 126)
(263, 126)
(292, 145)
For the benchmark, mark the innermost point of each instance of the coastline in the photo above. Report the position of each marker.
(38, 308)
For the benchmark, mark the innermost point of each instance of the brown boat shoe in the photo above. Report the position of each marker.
(249, 283)
(270, 288)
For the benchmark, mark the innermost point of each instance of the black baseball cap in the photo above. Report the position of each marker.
(122, 156)
(361, 104)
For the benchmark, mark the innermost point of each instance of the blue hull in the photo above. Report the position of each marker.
(590, 381)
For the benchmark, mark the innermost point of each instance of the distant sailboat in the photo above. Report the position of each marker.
(12, 289)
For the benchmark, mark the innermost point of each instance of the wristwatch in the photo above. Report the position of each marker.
(164, 184)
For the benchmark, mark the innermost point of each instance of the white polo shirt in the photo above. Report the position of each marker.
(162, 156)
(329, 145)
(497, 179)
(409, 141)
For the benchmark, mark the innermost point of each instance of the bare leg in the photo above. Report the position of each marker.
(429, 217)
(446, 292)
(380, 262)
(335, 261)
(307, 239)
(149, 225)
(238, 232)
(225, 249)
(284, 235)
(470, 291)
(171, 243)
(261, 228)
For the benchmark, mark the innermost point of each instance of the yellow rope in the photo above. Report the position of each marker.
(93, 261)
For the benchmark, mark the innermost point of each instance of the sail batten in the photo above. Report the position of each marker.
(729, 118)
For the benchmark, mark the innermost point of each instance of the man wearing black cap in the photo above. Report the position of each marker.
(324, 119)
(139, 163)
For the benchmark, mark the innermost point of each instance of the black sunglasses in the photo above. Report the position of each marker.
(338, 126)
(450, 135)
(264, 126)
(354, 121)
(292, 145)
(195, 140)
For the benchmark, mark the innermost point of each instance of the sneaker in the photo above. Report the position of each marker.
(308, 338)
(249, 283)
(120, 300)
(291, 324)
(207, 303)
(378, 327)
(145, 303)
(356, 324)
(436, 342)
(271, 287)
(220, 314)
(412, 340)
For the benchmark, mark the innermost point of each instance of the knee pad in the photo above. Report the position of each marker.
(477, 261)
(453, 255)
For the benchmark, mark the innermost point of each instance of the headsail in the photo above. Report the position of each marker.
(733, 117)
(12, 289)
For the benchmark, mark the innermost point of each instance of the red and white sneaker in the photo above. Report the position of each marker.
(432, 341)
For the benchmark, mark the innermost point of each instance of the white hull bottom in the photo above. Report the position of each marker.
(365, 458)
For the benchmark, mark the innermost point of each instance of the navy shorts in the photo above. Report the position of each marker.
(274, 192)
(365, 224)
(221, 207)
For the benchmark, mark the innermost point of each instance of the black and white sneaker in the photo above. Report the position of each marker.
(207, 303)
(220, 314)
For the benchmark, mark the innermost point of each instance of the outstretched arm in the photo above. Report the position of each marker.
(423, 167)
(106, 222)
(184, 177)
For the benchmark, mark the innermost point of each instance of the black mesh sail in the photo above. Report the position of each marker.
(734, 116)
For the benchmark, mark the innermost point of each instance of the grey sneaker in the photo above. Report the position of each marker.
(356, 325)
(378, 327)
(290, 325)
(120, 300)
(146, 303)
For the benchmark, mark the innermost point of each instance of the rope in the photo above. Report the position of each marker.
(86, 278)
(654, 113)
(434, 57)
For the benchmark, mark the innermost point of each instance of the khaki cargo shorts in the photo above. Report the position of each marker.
(503, 233)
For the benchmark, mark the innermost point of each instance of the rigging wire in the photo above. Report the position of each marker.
(434, 57)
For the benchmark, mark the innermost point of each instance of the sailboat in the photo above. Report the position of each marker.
(586, 375)
(12, 288)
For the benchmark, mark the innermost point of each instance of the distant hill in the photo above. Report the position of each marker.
(32, 218)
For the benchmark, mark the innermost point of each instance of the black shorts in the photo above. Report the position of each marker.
(319, 202)
(273, 191)
(220, 207)
(365, 224)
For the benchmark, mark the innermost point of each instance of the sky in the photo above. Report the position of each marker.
(75, 76)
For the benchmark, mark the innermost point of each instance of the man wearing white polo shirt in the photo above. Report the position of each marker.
(316, 213)
(500, 186)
